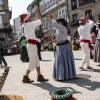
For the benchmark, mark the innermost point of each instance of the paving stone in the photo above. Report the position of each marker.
(85, 88)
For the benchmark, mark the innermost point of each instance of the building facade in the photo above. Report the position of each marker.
(79, 8)
(58, 9)
(5, 16)
(71, 10)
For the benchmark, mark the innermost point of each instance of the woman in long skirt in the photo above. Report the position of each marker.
(64, 66)
(23, 52)
(97, 47)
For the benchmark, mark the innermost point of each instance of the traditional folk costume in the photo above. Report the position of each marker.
(97, 48)
(23, 52)
(85, 38)
(29, 30)
(64, 66)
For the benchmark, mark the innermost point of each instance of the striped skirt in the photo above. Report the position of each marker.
(64, 66)
(97, 51)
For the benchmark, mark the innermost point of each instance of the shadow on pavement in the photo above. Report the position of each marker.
(49, 87)
(95, 70)
(78, 59)
(45, 60)
(84, 81)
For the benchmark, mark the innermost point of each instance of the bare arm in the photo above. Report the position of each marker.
(37, 14)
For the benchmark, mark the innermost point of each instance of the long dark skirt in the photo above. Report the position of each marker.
(24, 54)
(97, 51)
(64, 66)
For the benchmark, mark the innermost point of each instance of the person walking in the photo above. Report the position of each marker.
(85, 38)
(23, 52)
(29, 29)
(2, 59)
(64, 65)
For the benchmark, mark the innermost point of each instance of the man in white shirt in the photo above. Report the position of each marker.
(85, 38)
(29, 30)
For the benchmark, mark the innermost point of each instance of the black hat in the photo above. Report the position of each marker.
(62, 20)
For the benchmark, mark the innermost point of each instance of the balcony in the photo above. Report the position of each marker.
(52, 6)
(85, 2)
(75, 23)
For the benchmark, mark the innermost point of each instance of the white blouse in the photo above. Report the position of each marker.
(60, 32)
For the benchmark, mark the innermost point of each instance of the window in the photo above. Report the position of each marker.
(74, 4)
(0, 21)
(44, 23)
(1, 2)
(62, 13)
(75, 21)
(75, 17)
(54, 1)
(85, 2)
(90, 13)
(48, 4)
(50, 1)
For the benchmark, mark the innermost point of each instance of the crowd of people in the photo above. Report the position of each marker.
(6, 50)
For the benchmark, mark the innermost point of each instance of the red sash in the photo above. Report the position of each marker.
(89, 43)
(31, 41)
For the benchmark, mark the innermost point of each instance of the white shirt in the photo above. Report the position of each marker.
(29, 29)
(59, 30)
(84, 30)
(98, 36)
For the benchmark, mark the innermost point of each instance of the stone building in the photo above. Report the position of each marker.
(79, 8)
(57, 7)
(5, 16)
(71, 10)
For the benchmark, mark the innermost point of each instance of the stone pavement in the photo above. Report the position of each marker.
(85, 88)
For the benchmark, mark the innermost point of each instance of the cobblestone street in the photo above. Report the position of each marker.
(87, 87)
